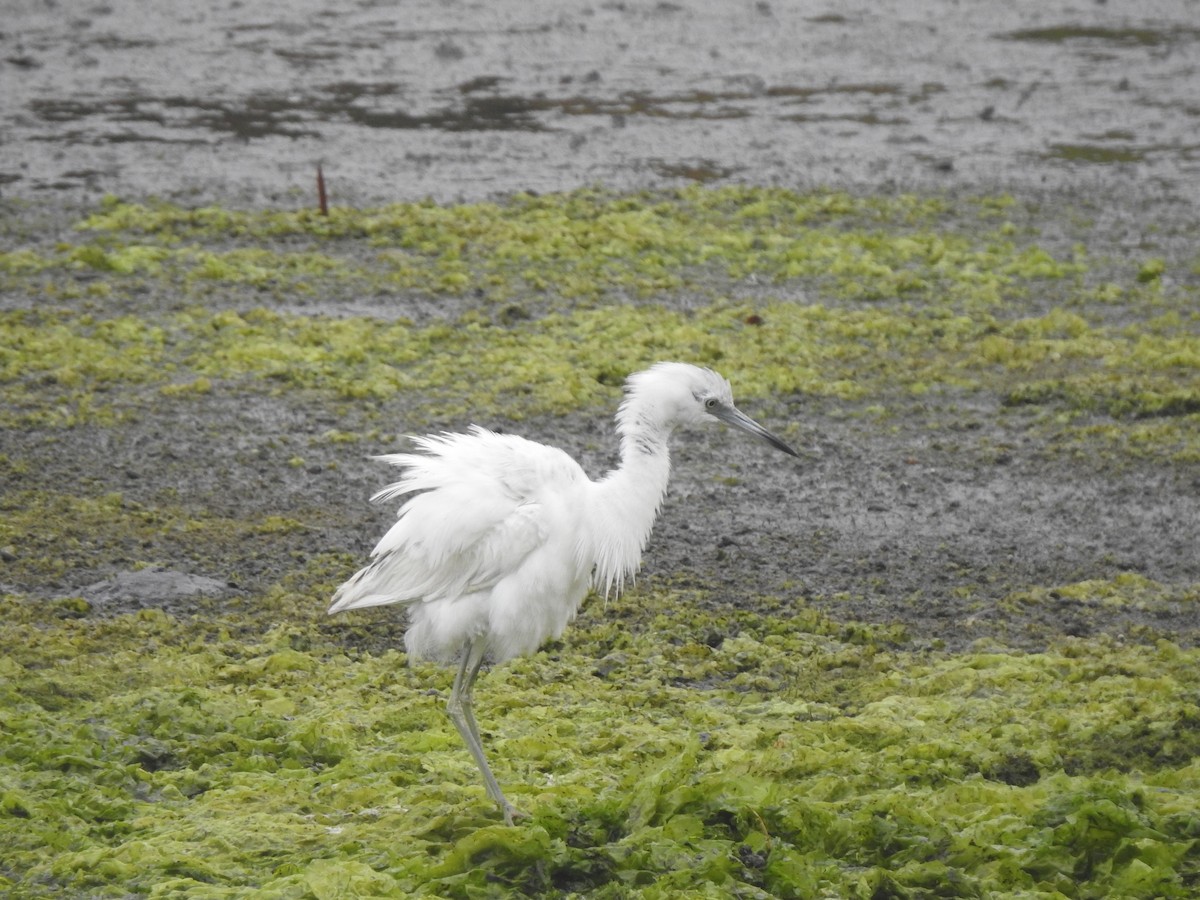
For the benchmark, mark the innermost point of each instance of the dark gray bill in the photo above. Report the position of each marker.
(731, 415)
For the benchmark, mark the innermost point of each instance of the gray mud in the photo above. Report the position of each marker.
(929, 519)
(236, 103)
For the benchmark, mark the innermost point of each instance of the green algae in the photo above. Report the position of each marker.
(581, 247)
(1126, 589)
(824, 293)
(68, 532)
(348, 355)
(57, 367)
(654, 759)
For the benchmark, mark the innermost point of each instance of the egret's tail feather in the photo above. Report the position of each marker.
(359, 591)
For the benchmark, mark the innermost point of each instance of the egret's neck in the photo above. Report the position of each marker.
(626, 503)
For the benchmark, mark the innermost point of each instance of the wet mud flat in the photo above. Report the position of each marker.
(237, 104)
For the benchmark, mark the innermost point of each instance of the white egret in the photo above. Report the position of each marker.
(501, 537)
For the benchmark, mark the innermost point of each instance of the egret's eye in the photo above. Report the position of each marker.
(710, 403)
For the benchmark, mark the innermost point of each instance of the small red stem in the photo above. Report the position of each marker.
(322, 199)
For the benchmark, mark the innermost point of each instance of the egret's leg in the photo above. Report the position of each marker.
(461, 713)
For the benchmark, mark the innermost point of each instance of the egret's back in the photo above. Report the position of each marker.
(486, 544)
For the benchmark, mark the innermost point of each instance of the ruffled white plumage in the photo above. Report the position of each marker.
(471, 516)
(488, 543)
(499, 537)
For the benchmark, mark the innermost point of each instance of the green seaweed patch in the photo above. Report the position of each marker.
(923, 295)
(556, 364)
(126, 260)
(592, 244)
(109, 270)
(1128, 590)
(1176, 438)
(58, 349)
(664, 747)
(890, 252)
(64, 370)
(258, 267)
(1058, 361)
(24, 262)
(52, 535)
(1151, 270)
(1134, 372)
(429, 224)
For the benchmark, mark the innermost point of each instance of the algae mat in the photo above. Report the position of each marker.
(950, 653)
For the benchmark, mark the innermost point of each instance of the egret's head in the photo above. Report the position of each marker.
(670, 394)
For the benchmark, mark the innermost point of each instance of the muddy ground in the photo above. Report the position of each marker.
(236, 103)
(933, 522)
(934, 518)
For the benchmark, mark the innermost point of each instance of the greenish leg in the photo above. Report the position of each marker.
(459, 708)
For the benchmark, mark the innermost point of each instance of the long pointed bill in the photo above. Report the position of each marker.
(731, 415)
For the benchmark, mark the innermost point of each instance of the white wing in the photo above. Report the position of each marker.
(473, 515)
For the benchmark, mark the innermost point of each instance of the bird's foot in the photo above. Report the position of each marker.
(511, 813)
